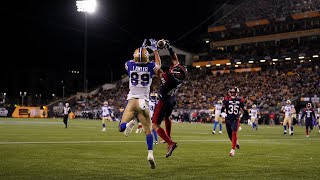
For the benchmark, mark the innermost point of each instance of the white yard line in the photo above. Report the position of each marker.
(203, 140)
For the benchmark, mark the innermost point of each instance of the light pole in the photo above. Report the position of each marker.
(62, 90)
(86, 6)
(4, 98)
(22, 96)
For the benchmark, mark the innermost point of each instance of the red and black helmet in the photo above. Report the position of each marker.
(309, 105)
(179, 72)
(234, 91)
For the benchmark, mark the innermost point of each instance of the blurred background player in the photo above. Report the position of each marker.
(106, 111)
(170, 82)
(288, 110)
(254, 114)
(309, 114)
(66, 112)
(140, 71)
(152, 106)
(232, 105)
(217, 117)
(139, 127)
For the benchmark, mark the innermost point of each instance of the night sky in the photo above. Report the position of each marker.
(43, 41)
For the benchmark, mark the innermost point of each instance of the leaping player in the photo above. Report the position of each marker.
(140, 71)
(170, 82)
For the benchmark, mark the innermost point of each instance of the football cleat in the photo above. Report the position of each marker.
(151, 161)
(163, 142)
(291, 134)
(232, 152)
(285, 132)
(171, 148)
(104, 129)
(238, 146)
(319, 132)
(155, 142)
(213, 132)
(128, 129)
(220, 132)
(307, 136)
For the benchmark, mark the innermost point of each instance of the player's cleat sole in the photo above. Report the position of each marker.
(151, 161)
(171, 148)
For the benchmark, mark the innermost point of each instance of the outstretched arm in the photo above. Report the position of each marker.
(154, 48)
(173, 55)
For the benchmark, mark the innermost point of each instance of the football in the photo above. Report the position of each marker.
(161, 44)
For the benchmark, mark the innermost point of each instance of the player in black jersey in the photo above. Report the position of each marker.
(308, 112)
(232, 105)
(170, 82)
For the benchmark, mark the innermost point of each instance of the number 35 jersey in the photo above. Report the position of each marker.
(140, 79)
(232, 106)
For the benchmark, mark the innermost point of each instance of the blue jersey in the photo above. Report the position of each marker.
(233, 107)
(140, 79)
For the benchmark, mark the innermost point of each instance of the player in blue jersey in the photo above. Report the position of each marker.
(106, 111)
(232, 105)
(140, 71)
(170, 82)
(217, 117)
(310, 115)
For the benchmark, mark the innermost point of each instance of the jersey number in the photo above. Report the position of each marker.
(137, 79)
(233, 109)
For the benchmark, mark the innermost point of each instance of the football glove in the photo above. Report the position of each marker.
(153, 45)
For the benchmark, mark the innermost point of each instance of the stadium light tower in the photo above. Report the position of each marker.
(85, 6)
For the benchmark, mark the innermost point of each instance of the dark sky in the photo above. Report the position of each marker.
(43, 40)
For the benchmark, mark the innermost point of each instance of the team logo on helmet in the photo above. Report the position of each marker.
(179, 72)
(141, 55)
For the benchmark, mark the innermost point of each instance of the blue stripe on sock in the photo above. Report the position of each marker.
(122, 127)
(149, 139)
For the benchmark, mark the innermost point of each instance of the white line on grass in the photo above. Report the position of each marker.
(202, 140)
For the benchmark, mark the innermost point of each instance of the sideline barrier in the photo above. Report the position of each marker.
(30, 112)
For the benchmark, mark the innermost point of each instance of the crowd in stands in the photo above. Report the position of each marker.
(257, 51)
(268, 89)
(249, 10)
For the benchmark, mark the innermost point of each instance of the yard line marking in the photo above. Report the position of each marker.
(203, 140)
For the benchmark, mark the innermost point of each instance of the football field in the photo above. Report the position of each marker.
(44, 149)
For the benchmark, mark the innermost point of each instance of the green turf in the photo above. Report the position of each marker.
(44, 149)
